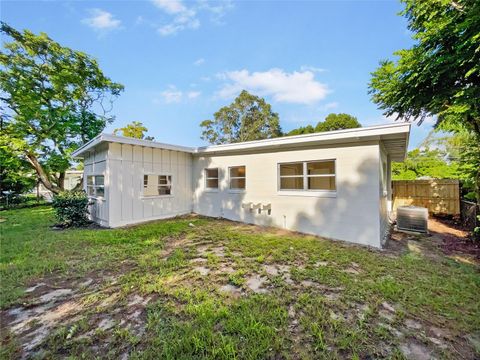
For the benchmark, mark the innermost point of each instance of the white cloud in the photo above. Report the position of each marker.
(199, 62)
(171, 95)
(217, 11)
(101, 20)
(186, 17)
(183, 17)
(329, 106)
(193, 94)
(170, 6)
(296, 87)
(312, 68)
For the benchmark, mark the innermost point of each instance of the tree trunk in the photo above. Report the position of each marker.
(42, 175)
(61, 180)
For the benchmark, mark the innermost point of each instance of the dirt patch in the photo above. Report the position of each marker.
(445, 237)
(230, 289)
(46, 308)
(415, 350)
(256, 284)
(173, 243)
(202, 270)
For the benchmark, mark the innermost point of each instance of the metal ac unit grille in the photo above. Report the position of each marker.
(412, 218)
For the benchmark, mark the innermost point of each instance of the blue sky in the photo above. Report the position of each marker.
(180, 61)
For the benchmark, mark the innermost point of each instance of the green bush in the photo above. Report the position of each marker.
(71, 208)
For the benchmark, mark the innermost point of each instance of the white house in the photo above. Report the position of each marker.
(334, 184)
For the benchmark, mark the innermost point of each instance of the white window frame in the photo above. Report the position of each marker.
(212, 189)
(95, 186)
(158, 196)
(306, 191)
(230, 178)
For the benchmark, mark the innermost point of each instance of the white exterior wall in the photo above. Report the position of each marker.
(352, 215)
(95, 163)
(126, 166)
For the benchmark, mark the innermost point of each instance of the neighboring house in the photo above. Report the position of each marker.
(72, 179)
(334, 184)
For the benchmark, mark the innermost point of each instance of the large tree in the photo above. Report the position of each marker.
(55, 99)
(337, 122)
(332, 122)
(440, 74)
(134, 130)
(249, 117)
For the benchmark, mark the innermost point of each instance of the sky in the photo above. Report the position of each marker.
(180, 61)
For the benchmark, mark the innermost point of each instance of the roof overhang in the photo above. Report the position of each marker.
(108, 138)
(394, 137)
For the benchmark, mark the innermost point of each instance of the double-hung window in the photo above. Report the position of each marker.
(307, 176)
(157, 185)
(96, 185)
(237, 177)
(211, 179)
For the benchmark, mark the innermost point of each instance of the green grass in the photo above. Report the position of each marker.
(323, 312)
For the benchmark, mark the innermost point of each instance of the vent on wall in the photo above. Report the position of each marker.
(412, 218)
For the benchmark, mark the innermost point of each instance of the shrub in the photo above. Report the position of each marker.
(71, 208)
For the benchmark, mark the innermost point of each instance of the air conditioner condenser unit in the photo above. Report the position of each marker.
(412, 218)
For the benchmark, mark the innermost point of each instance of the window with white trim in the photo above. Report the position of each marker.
(237, 177)
(307, 176)
(211, 178)
(96, 185)
(157, 185)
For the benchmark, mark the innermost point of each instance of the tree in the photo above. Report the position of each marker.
(16, 175)
(464, 149)
(135, 130)
(309, 129)
(338, 122)
(249, 117)
(55, 99)
(440, 74)
(425, 163)
(332, 122)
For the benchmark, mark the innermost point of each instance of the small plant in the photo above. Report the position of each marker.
(237, 278)
(71, 208)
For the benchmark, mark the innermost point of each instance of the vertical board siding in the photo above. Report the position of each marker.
(96, 164)
(439, 196)
(128, 164)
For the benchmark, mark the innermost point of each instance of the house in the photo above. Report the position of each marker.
(72, 179)
(334, 184)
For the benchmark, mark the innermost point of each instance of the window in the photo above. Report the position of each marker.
(308, 175)
(237, 177)
(211, 178)
(96, 185)
(157, 185)
(291, 176)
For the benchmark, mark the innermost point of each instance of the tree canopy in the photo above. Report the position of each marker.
(135, 130)
(248, 117)
(440, 74)
(53, 99)
(332, 122)
(425, 163)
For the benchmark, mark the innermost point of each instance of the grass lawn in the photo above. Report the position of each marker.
(204, 288)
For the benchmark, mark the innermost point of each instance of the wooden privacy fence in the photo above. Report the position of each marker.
(439, 196)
